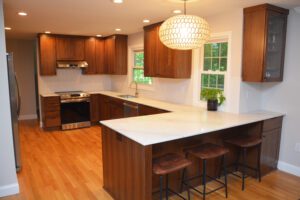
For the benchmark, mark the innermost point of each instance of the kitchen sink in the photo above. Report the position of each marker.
(127, 96)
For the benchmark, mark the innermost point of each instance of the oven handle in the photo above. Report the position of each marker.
(74, 100)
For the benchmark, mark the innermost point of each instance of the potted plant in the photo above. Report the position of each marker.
(214, 98)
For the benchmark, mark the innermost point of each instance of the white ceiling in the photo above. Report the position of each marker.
(91, 17)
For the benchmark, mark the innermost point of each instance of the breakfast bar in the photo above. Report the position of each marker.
(130, 144)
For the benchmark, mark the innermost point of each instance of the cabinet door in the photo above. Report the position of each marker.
(150, 49)
(69, 48)
(109, 59)
(270, 150)
(47, 52)
(276, 34)
(99, 54)
(147, 110)
(116, 108)
(94, 108)
(103, 107)
(90, 57)
(120, 65)
(77, 48)
(51, 111)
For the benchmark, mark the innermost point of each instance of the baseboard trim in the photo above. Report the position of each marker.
(9, 190)
(291, 169)
(27, 117)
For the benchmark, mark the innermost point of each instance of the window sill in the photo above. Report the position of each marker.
(143, 87)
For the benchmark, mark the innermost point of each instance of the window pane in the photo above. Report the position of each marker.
(215, 49)
(213, 81)
(221, 82)
(138, 76)
(207, 50)
(223, 64)
(139, 59)
(215, 64)
(224, 48)
(204, 79)
(207, 64)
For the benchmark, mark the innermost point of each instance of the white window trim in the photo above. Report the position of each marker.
(131, 51)
(215, 37)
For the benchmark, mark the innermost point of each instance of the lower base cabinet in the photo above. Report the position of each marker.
(50, 112)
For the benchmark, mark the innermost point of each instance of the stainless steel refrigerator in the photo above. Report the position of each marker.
(15, 106)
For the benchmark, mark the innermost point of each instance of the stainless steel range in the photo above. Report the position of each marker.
(75, 109)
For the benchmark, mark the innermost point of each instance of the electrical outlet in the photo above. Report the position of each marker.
(297, 147)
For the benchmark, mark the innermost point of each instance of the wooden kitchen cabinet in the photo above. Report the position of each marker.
(115, 54)
(271, 136)
(161, 61)
(94, 108)
(51, 112)
(47, 55)
(70, 48)
(264, 43)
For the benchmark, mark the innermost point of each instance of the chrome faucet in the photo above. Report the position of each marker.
(136, 88)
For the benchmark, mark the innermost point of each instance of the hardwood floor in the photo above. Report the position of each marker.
(68, 165)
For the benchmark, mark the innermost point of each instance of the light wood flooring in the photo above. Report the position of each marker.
(68, 165)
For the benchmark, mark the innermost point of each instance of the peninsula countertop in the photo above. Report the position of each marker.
(182, 121)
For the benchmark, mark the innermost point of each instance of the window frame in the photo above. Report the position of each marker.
(215, 37)
(131, 62)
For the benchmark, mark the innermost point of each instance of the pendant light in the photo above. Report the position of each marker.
(184, 32)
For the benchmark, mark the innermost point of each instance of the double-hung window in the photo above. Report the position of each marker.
(214, 65)
(138, 69)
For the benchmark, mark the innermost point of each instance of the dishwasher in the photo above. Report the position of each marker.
(130, 109)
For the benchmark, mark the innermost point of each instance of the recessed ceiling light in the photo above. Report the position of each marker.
(98, 35)
(47, 32)
(22, 13)
(176, 11)
(7, 28)
(117, 1)
(146, 20)
(118, 29)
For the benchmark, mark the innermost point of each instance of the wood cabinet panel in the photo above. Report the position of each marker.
(161, 61)
(69, 48)
(264, 43)
(51, 111)
(103, 107)
(270, 150)
(115, 51)
(94, 108)
(47, 55)
(99, 54)
(90, 57)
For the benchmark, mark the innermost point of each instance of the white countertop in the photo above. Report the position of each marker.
(183, 121)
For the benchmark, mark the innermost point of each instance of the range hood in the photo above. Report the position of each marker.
(72, 64)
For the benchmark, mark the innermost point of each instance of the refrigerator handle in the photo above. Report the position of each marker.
(18, 96)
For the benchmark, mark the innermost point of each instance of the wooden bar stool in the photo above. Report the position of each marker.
(167, 164)
(205, 152)
(244, 143)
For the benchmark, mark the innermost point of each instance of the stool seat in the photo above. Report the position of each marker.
(208, 151)
(244, 142)
(169, 163)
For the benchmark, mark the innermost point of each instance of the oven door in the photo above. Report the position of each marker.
(75, 114)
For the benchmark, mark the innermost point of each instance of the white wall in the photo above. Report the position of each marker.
(24, 63)
(183, 90)
(284, 97)
(8, 179)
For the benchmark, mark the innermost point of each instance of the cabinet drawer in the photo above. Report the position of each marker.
(271, 124)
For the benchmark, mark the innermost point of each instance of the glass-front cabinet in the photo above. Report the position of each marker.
(264, 43)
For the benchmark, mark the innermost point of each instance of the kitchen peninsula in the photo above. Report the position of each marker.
(130, 144)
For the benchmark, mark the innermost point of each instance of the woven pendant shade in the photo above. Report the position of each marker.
(184, 32)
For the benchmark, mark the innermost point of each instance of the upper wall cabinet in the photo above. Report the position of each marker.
(103, 55)
(115, 54)
(47, 52)
(161, 61)
(264, 43)
(69, 48)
